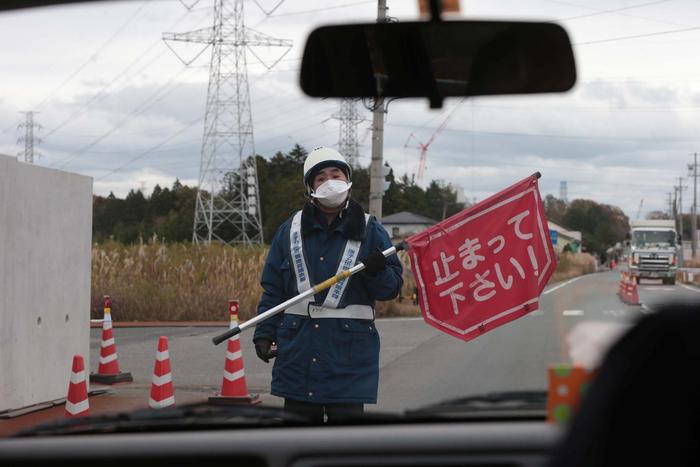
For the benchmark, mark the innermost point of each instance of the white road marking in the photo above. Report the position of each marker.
(616, 313)
(645, 309)
(557, 287)
(694, 289)
(573, 312)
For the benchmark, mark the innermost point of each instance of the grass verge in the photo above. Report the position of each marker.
(170, 282)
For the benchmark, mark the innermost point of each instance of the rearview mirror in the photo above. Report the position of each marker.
(437, 59)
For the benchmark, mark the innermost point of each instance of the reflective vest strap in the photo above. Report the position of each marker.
(296, 248)
(318, 311)
(335, 294)
(347, 260)
(301, 308)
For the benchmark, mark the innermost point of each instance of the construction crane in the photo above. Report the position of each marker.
(423, 147)
(639, 211)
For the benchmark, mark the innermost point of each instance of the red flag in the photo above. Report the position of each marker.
(485, 266)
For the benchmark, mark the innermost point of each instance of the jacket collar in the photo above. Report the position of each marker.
(351, 223)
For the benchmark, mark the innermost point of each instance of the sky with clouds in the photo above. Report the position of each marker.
(117, 104)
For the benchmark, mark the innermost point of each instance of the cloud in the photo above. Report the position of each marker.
(622, 134)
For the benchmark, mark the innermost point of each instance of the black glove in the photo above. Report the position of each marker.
(374, 263)
(263, 347)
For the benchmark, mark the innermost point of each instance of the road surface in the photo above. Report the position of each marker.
(418, 364)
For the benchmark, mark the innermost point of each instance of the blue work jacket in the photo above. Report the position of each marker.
(326, 360)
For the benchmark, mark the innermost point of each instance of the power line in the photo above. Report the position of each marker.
(638, 36)
(619, 11)
(151, 149)
(154, 98)
(94, 56)
(551, 135)
(102, 93)
(314, 10)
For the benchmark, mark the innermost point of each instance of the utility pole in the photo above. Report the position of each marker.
(670, 203)
(693, 171)
(227, 208)
(349, 118)
(376, 184)
(29, 138)
(679, 190)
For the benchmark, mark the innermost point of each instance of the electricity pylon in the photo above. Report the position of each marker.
(29, 138)
(228, 197)
(349, 117)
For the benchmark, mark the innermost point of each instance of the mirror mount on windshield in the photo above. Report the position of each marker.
(437, 59)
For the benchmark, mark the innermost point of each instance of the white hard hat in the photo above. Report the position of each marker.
(321, 158)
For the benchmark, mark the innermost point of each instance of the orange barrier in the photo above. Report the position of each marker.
(628, 290)
(567, 385)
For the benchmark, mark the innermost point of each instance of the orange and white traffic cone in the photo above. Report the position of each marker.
(621, 287)
(108, 370)
(77, 404)
(234, 389)
(162, 393)
(633, 295)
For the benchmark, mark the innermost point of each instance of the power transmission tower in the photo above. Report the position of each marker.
(563, 191)
(29, 138)
(349, 117)
(228, 197)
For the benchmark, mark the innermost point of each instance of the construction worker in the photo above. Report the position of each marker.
(327, 356)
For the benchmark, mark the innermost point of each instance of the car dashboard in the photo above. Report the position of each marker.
(458, 443)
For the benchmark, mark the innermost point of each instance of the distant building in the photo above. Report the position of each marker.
(404, 223)
(561, 237)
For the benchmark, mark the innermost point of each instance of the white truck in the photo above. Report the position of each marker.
(654, 250)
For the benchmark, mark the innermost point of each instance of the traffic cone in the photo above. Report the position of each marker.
(77, 404)
(234, 389)
(162, 393)
(622, 290)
(108, 370)
(633, 295)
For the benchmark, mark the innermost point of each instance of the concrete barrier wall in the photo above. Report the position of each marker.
(45, 246)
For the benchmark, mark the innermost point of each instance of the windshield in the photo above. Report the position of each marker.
(151, 172)
(653, 238)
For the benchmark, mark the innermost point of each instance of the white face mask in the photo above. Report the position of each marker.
(332, 193)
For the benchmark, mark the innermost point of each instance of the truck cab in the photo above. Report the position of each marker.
(654, 250)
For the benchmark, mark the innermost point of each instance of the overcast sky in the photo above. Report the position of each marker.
(115, 103)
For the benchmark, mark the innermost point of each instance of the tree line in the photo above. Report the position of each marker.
(168, 212)
(601, 225)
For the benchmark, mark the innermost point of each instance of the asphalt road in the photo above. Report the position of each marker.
(418, 364)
